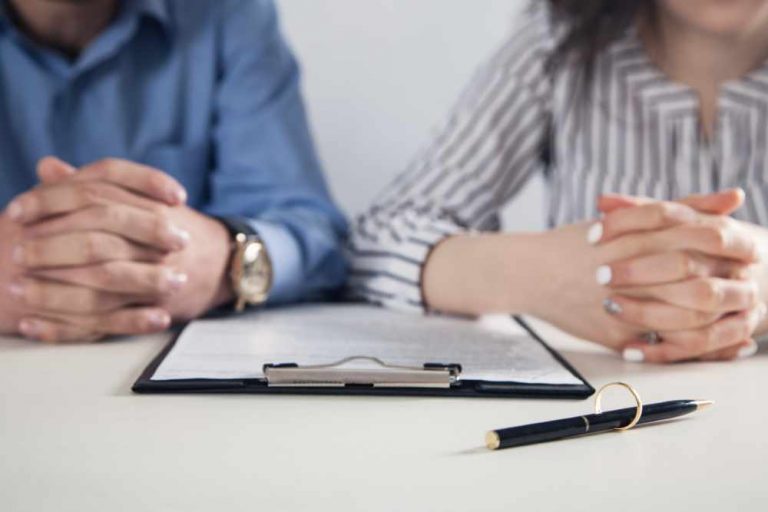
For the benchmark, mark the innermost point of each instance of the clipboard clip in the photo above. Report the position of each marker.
(376, 373)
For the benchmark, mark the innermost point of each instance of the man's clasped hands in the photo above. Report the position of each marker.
(108, 249)
(112, 249)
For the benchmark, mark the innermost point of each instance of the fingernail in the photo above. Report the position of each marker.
(612, 307)
(30, 328)
(177, 195)
(16, 289)
(14, 211)
(159, 319)
(595, 233)
(762, 310)
(633, 355)
(18, 255)
(604, 275)
(747, 351)
(176, 280)
(179, 236)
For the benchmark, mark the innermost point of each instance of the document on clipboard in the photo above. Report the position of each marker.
(361, 349)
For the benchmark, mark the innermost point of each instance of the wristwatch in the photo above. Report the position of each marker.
(250, 269)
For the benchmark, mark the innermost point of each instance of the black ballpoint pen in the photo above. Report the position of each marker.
(589, 424)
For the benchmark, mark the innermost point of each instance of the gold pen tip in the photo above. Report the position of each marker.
(703, 404)
(492, 440)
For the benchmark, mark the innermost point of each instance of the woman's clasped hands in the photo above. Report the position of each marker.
(684, 277)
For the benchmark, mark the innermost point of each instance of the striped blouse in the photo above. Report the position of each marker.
(634, 132)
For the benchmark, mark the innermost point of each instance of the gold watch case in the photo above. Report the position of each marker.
(251, 271)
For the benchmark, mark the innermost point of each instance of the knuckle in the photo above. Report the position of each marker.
(684, 263)
(91, 247)
(90, 193)
(708, 293)
(716, 237)
(105, 276)
(89, 300)
(663, 212)
(113, 215)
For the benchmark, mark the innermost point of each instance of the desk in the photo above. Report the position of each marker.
(74, 438)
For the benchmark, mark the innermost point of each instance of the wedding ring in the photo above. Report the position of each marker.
(635, 395)
(652, 337)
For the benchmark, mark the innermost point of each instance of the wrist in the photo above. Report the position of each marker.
(483, 273)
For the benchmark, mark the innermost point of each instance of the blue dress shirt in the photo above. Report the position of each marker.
(207, 91)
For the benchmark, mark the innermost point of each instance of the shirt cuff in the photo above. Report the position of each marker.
(285, 255)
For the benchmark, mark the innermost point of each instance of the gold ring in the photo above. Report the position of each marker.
(635, 394)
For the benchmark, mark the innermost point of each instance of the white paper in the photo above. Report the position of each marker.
(492, 349)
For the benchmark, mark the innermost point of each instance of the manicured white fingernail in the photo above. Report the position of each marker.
(16, 289)
(177, 195)
(14, 211)
(159, 319)
(595, 233)
(30, 328)
(747, 351)
(612, 307)
(604, 275)
(18, 255)
(762, 310)
(633, 355)
(176, 280)
(180, 236)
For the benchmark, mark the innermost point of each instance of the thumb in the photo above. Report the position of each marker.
(719, 203)
(608, 203)
(52, 170)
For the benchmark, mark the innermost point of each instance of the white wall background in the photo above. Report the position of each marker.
(381, 75)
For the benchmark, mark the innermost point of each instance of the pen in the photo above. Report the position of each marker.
(589, 424)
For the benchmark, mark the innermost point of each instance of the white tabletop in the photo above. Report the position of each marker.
(74, 437)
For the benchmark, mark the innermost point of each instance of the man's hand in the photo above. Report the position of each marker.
(692, 282)
(10, 312)
(108, 249)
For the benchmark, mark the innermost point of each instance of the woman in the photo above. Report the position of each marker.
(665, 99)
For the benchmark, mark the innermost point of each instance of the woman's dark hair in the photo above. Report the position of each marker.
(591, 25)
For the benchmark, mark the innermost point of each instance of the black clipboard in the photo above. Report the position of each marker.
(458, 388)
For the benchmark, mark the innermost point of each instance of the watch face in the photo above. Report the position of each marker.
(255, 279)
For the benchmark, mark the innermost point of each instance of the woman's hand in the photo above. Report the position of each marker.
(695, 283)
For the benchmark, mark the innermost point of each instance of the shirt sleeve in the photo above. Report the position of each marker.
(266, 168)
(491, 143)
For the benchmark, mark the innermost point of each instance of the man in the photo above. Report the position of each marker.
(183, 175)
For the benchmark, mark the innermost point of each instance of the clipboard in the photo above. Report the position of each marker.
(356, 373)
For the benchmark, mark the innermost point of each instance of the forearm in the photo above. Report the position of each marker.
(484, 273)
